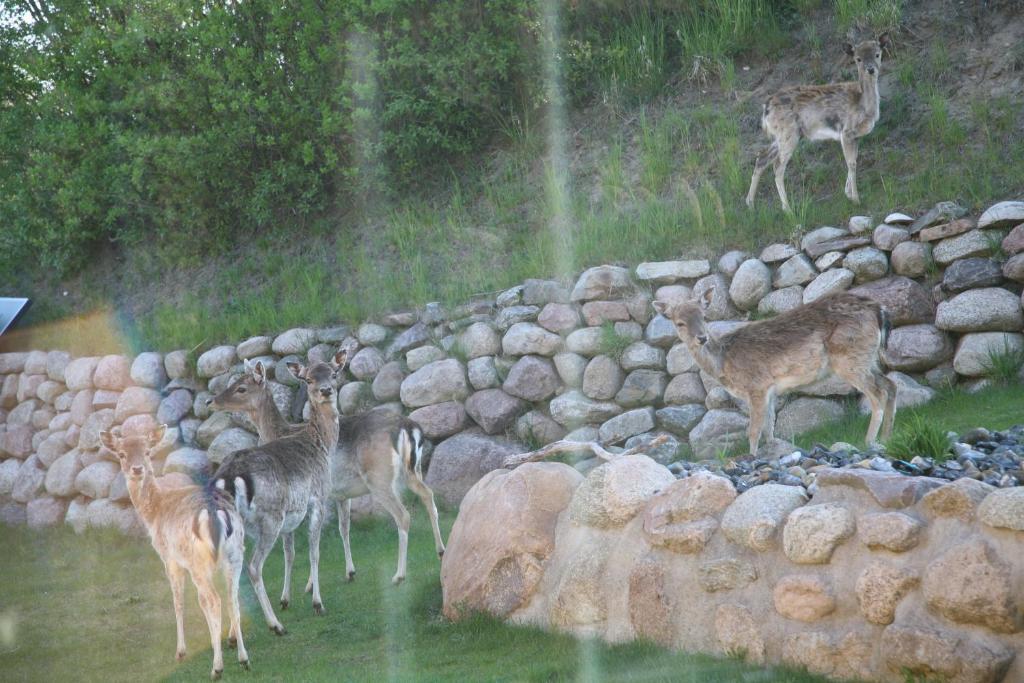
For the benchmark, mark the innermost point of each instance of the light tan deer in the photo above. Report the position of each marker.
(839, 111)
(378, 452)
(195, 530)
(841, 334)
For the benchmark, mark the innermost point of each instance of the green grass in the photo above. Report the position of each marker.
(953, 410)
(97, 607)
(611, 342)
(1003, 366)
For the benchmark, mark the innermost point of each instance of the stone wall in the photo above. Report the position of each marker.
(881, 576)
(541, 361)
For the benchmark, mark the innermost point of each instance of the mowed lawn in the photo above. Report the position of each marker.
(97, 607)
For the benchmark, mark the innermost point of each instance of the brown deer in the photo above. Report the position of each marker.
(839, 111)
(194, 530)
(842, 334)
(279, 484)
(378, 452)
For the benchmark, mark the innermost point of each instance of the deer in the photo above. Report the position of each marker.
(844, 112)
(841, 333)
(281, 483)
(378, 452)
(194, 530)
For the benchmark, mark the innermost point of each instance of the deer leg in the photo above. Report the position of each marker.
(760, 164)
(875, 387)
(426, 497)
(786, 147)
(269, 529)
(232, 560)
(890, 406)
(393, 504)
(288, 544)
(344, 522)
(769, 417)
(757, 404)
(850, 154)
(209, 602)
(316, 525)
(176, 577)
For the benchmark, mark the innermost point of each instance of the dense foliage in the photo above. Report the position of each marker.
(197, 123)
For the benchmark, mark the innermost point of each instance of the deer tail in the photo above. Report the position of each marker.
(884, 327)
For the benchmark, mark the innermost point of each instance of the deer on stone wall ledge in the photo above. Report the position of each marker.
(841, 334)
(839, 111)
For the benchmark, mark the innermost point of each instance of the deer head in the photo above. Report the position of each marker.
(322, 378)
(134, 452)
(243, 393)
(867, 55)
(688, 318)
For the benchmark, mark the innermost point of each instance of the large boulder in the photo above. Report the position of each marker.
(437, 382)
(683, 517)
(893, 531)
(717, 431)
(834, 280)
(441, 420)
(216, 361)
(559, 318)
(613, 493)
(78, 373)
(494, 410)
(29, 482)
(757, 514)
(602, 282)
(911, 259)
(642, 388)
(667, 272)
(752, 281)
(228, 441)
(805, 413)
(148, 370)
(720, 306)
(880, 588)
(938, 654)
(524, 339)
(970, 584)
(97, 422)
(496, 551)
(174, 407)
(45, 512)
(94, 481)
(366, 363)
(113, 372)
(906, 302)
(462, 460)
(974, 352)
(631, 423)
(136, 401)
(572, 409)
(916, 348)
(971, 273)
(813, 532)
(1003, 509)
(981, 310)
(387, 385)
(803, 598)
(1002, 215)
(532, 378)
(295, 341)
(973, 243)
(866, 264)
(602, 378)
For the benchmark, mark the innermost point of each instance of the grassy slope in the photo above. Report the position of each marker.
(97, 607)
(648, 181)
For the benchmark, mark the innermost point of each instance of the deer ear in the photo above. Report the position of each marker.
(848, 49)
(157, 435)
(883, 40)
(339, 360)
(109, 440)
(259, 372)
(298, 369)
(660, 306)
(706, 298)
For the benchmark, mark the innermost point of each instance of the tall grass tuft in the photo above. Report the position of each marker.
(917, 435)
(1003, 365)
(878, 15)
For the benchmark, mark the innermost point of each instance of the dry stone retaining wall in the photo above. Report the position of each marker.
(877, 577)
(541, 361)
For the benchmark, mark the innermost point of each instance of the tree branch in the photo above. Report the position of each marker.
(597, 449)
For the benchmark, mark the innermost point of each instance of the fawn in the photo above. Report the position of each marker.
(378, 453)
(280, 483)
(842, 333)
(839, 111)
(193, 529)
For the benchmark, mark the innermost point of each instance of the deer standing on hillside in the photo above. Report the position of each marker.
(839, 111)
(194, 530)
(842, 333)
(279, 484)
(378, 453)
